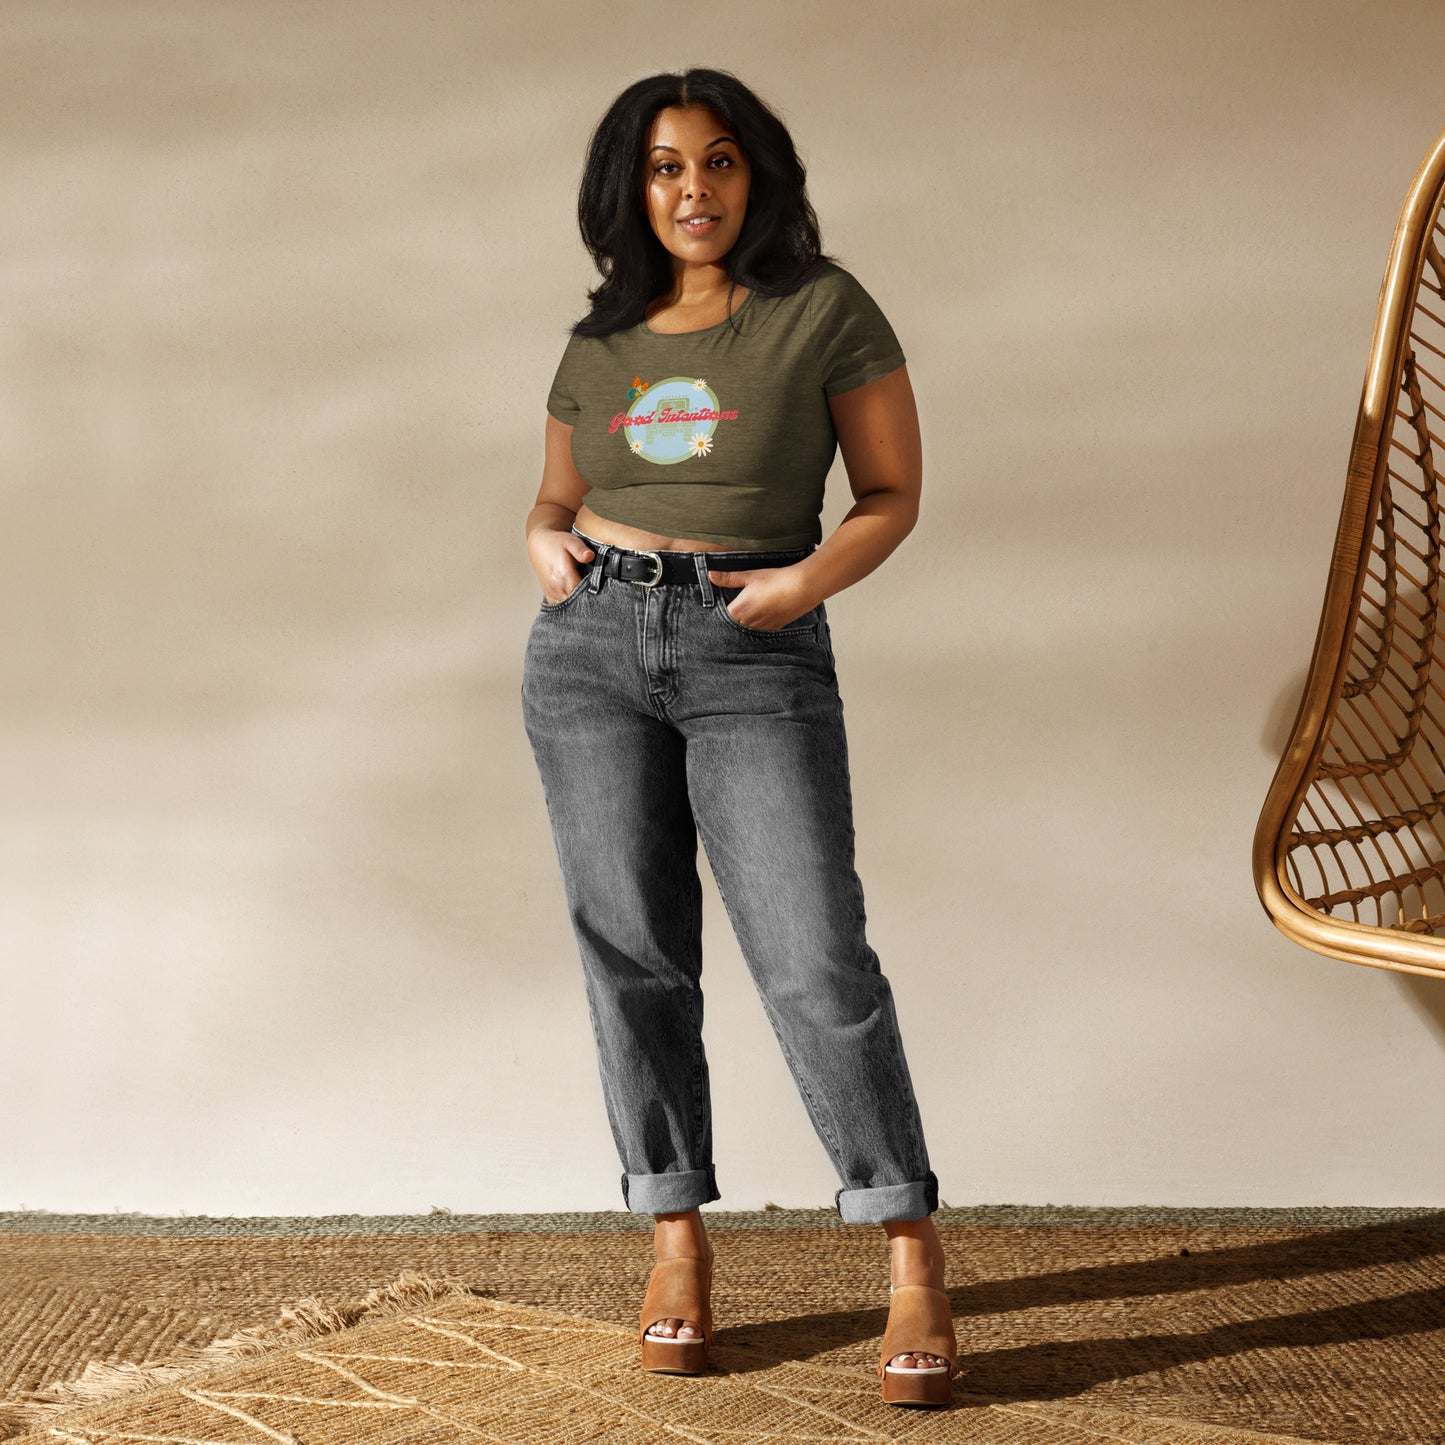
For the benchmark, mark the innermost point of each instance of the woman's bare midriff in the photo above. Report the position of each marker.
(620, 536)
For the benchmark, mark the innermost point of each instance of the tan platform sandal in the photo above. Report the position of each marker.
(920, 1318)
(680, 1288)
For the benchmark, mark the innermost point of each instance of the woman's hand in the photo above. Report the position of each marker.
(557, 559)
(771, 598)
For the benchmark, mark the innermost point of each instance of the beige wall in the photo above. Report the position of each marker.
(284, 289)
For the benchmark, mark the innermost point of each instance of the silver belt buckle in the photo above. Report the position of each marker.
(655, 580)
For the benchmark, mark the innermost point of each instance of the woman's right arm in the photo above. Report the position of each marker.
(554, 548)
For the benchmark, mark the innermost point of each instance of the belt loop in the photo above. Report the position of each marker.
(704, 582)
(598, 565)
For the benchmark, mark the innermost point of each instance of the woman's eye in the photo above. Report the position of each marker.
(667, 167)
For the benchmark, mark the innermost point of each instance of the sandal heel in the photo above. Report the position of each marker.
(673, 1357)
(679, 1288)
(920, 1318)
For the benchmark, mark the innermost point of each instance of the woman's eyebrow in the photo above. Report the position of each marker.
(708, 146)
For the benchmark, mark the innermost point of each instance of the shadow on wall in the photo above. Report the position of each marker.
(1427, 997)
(1280, 722)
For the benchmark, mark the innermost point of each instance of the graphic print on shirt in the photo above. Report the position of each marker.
(671, 420)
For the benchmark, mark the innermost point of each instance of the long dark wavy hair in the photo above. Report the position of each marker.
(779, 246)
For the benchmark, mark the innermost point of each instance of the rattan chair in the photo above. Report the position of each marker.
(1349, 854)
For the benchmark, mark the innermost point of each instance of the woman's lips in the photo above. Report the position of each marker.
(700, 228)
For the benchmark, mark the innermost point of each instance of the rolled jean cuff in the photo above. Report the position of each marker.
(669, 1193)
(888, 1201)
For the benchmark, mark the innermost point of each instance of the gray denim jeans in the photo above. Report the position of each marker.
(655, 717)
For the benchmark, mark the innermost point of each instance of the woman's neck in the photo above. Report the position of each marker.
(698, 286)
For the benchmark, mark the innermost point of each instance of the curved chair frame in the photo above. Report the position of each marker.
(1374, 647)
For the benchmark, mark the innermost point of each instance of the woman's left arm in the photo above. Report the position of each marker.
(882, 449)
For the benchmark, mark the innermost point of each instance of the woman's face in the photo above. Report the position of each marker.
(694, 167)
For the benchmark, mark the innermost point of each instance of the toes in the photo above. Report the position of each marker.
(915, 1361)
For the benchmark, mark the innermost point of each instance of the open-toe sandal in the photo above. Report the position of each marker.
(680, 1288)
(920, 1321)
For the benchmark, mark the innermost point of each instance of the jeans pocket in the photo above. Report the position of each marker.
(572, 595)
(806, 624)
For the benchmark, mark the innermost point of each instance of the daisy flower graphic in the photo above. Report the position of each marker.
(637, 444)
(700, 384)
(701, 443)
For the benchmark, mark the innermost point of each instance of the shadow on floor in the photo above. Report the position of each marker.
(1062, 1368)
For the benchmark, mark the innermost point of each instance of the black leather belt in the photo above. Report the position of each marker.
(652, 568)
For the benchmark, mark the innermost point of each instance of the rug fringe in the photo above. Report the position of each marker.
(297, 1324)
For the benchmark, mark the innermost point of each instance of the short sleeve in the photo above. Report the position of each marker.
(562, 399)
(852, 337)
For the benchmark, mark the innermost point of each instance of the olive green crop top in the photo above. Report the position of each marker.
(720, 435)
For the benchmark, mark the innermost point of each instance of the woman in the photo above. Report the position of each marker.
(679, 676)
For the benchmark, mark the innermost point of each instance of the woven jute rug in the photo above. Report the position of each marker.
(1157, 1327)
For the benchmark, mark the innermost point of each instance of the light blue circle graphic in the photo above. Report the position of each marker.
(675, 434)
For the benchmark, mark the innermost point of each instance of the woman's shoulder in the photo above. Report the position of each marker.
(835, 284)
(837, 298)
(824, 293)
(830, 273)
(850, 333)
